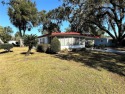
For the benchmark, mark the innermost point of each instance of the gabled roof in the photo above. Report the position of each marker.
(69, 34)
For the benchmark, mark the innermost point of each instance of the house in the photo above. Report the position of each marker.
(68, 40)
(104, 41)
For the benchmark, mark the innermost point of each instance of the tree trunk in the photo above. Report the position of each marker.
(119, 42)
(21, 38)
(21, 42)
(29, 50)
(1, 42)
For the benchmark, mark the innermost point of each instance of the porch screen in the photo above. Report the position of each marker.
(62, 42)
(68, 41)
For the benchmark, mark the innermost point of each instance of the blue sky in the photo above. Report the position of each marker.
(41, 5)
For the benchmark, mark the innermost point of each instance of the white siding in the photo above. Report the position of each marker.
(101, 41)
(62, 42)
(42, 40)
(72, 42)
(104, 41)
(68, 42)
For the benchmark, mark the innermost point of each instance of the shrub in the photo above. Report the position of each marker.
(89, 43)
(6, 46)
(65, 50)
(83, 49)
(55, 45)
(39, 48)
(43, 47)
(102, 46)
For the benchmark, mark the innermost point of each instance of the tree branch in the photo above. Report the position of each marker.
(102, 28)
(113, 28)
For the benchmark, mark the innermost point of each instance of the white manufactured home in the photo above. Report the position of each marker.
(68, 40)
(104, 41)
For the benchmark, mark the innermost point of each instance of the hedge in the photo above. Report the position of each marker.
(6, 46)
(55, 45)
(43, 47)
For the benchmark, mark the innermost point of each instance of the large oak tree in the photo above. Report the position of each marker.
(106, 15)
(48, 23)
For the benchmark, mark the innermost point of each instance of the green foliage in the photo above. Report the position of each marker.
(39, 48)
(23, 15)
(102, 46)
(51, 27)
(5, 33)
(17, 36)
(95, 30)
(94, 16)
(46, 20)
(43, 47)
(30, 40)
(68, 29)
(55, 45)
(89, 43)
(6, 46)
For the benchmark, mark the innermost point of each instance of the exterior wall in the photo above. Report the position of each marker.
(68, 42)
(101, 41)
(71, 42)
(42, 40)
(110, 43)
(104, 41)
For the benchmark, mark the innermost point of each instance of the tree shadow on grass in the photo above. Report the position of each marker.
(112, 62)
(24, 53)
(3, 52)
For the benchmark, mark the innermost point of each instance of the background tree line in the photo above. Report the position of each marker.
(5, 34)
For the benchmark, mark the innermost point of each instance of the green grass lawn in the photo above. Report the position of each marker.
(70, 73)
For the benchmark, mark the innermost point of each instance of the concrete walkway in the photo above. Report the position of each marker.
(110, 50)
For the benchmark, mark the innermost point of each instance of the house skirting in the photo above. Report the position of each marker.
(72, 47)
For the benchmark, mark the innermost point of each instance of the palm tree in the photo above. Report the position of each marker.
(30, 41)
